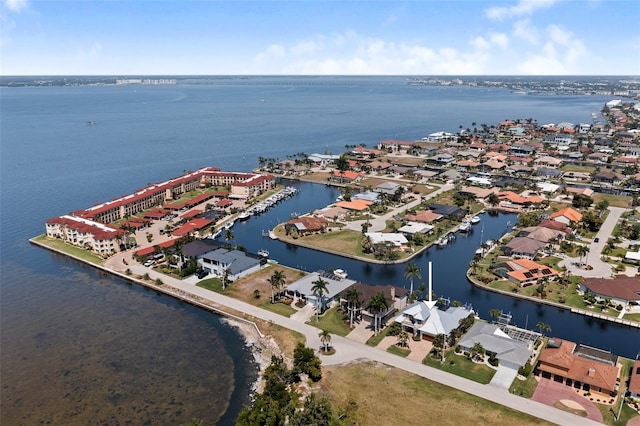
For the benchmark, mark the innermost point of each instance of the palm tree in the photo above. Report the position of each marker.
(353, 298)
(228, 235)
(495, 313)
(377, 305)
(582, 252)
(319, 288)
(477, 351)
(367, 245)
(412, 271)
(276, 280)
(325, 338)
(543, 327)
(403, 337)
(438, 342)
(225, 277)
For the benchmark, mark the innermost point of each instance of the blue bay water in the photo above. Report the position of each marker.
(52, 162)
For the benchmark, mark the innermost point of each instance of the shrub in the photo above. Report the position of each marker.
(525, 370)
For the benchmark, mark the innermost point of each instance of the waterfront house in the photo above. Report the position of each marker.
(388, 239)
(396, 300)
(447, 211)
(306, 225)
(358, 205)
(236, 262)
(477, 192)
(413, 228)
(524, 272)
(423, 216)
(302, 288)
(395, 145)
(427, 322)
(322, 160)
(580, 366)
(523, 247)
(346, 176)
(621, 290)
(510, 353)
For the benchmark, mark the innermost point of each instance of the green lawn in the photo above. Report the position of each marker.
(574, 168)
(462, 367)
(332, 321)
(279, 308)
(375, 340)
(78, 252)
(212, 284)
(398, 351)
(632, 317)
(524, 388)
(614, 200)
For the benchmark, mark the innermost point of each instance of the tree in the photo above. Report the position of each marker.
(228, 235)
(306, 361)
(377, 305)
(582, 251)
(495, 313)
(543, 327)
(325, 338)
(276, 280)
(342, 165)
(316, 411)
(477, 351)
(225, 277)
(319, 288)
(367, 245)
(493, 199)
(353, 299)
(438, 343)
(403, 338)
(412, 271)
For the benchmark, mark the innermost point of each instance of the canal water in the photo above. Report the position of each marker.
(449, 271)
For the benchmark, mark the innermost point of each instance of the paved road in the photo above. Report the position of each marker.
(348, 350)
(600, 269)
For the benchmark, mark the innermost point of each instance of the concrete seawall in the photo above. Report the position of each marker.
(163, 288)
(573, 310)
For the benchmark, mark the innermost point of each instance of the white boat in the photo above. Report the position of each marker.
(229, 225)
(244, 215)
(474, 220)
(340, 273)
(465, 226)
(263, 253)
(442, 242)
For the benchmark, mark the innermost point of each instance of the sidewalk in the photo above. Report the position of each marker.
(348, 350)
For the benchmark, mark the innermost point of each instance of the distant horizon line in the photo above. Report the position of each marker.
(321, 75)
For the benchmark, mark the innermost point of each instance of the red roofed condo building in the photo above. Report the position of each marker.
(87, 228)
(98, 237)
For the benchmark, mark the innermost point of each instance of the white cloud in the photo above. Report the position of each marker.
(562, 53)
(499, 39)
(350, 53)
(16, 6)
(479, 43)
(525, 31)
(274, 51)
(523, 7)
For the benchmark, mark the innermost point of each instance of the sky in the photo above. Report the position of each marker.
(309, 37)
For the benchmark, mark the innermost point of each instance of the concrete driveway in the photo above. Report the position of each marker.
(504, 377)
